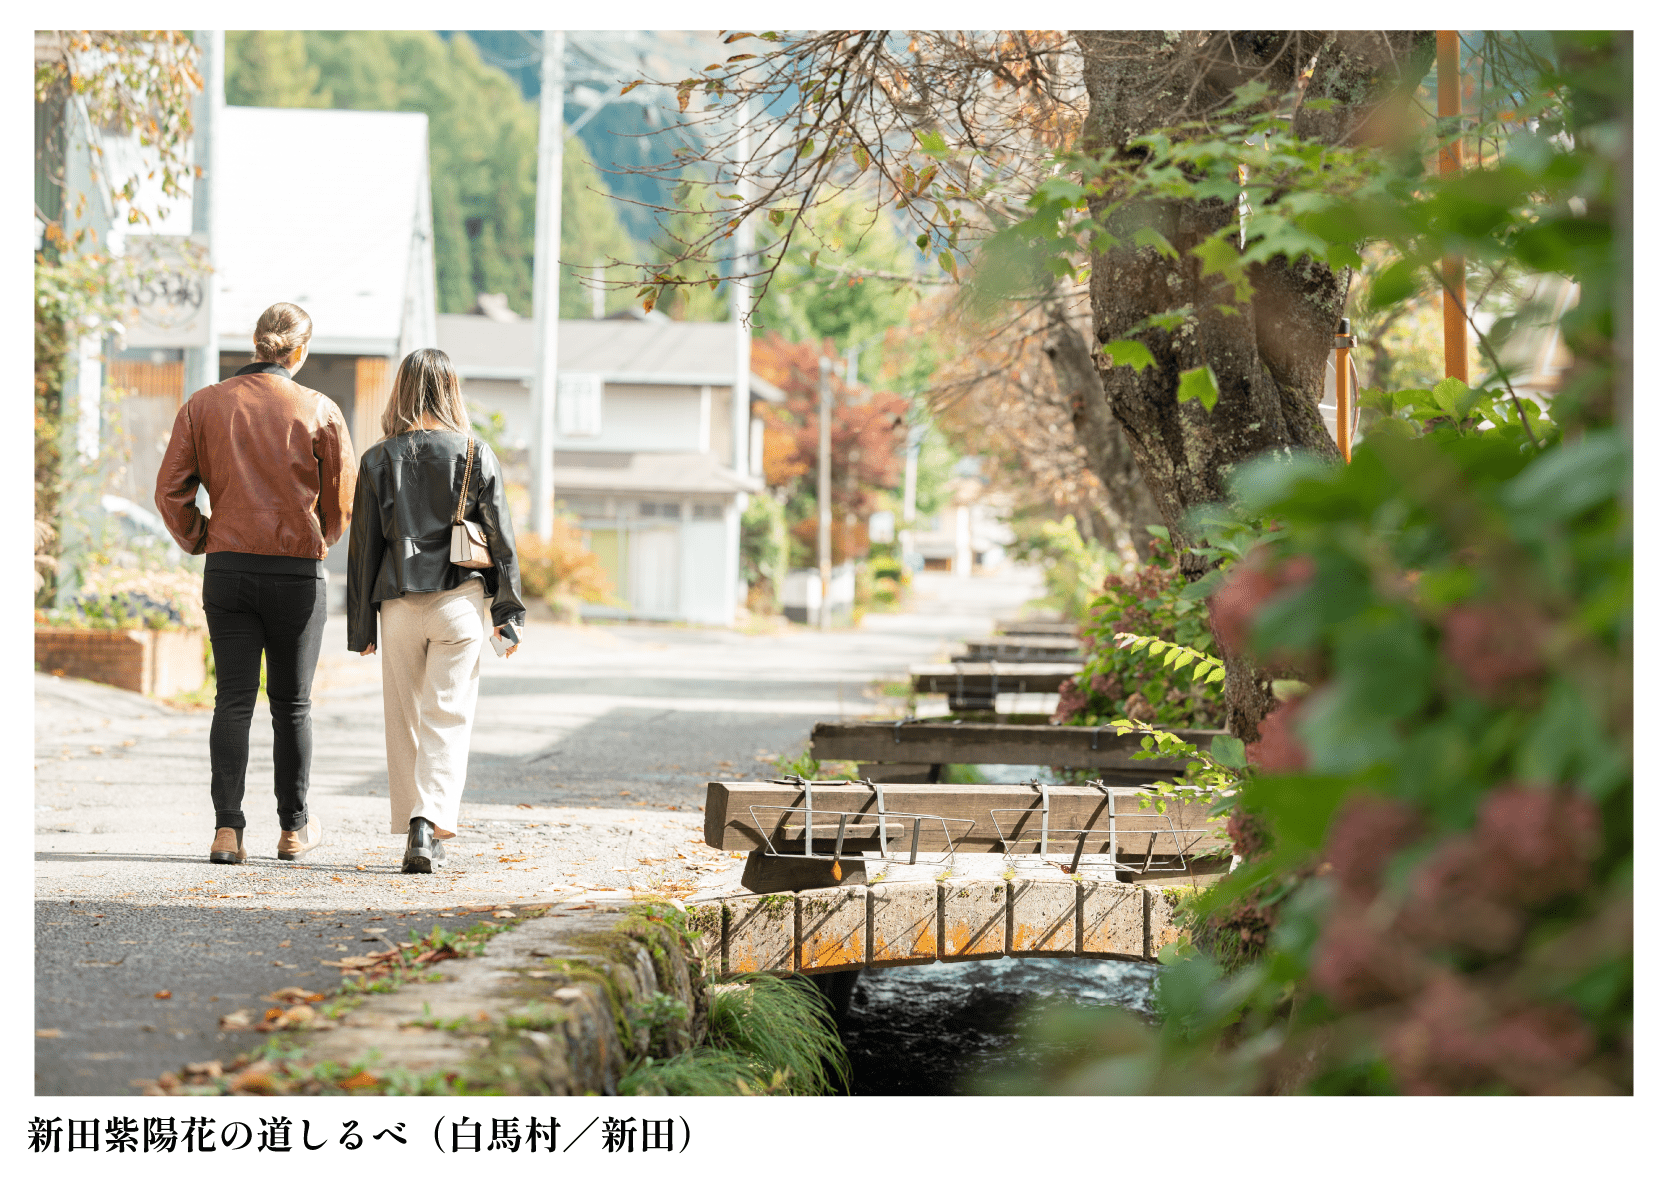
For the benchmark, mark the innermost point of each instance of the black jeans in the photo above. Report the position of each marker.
(284, 616)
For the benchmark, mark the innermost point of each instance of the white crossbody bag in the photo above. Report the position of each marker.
(469, 545)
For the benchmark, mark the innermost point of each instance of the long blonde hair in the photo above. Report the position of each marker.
(426, 385)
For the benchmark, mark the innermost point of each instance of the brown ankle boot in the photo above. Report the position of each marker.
(292, 844)
(227, 848)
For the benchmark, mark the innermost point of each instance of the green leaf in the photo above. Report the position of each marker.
(1148, 236)
(1448, 393)
(1129, 352)
(1228, 751)
(1198, 385)
(860, 157)
(1397, 282)
(947, 262)
(1216, 675)
(1567, 481)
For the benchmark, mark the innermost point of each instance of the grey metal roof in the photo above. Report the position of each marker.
(625, 351)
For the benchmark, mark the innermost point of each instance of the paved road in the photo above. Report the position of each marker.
(588, 767)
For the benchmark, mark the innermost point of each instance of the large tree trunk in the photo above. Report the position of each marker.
(1092, 422)
(1269, 363)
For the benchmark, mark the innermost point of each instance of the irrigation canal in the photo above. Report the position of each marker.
(934, 1029)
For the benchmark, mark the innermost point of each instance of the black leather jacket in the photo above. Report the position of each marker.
(401, 537)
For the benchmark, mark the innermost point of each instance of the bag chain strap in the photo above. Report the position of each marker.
(469, 464)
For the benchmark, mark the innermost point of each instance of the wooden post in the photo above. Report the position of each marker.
(1343, 342)
(1448, 161)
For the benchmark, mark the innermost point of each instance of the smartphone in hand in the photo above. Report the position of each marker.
(505, 638)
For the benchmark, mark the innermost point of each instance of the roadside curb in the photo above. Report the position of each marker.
(560, 1004)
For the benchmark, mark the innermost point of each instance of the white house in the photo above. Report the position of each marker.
(644, 456)
(348, 237)
(971, 529)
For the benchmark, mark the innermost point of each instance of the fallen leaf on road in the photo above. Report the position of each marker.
(294, 995)
(236, 1021)
(362, 868)
(284, 944)
(504, 913)
(286, 966)
(525, 806)
(165, 994)
(47, 1033)
(510, 859)
(360, 1081)
(257, 1079)
(338, 880)
(234, 895)
(201, 1071)
(352, 961)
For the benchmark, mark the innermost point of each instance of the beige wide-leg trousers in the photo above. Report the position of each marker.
(431, 671)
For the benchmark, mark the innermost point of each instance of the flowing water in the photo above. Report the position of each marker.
(924, 1030)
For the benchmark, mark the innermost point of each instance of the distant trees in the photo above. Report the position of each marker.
(483, 139)
(866, 438)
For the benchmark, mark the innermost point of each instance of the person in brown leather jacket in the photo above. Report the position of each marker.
(278, 467)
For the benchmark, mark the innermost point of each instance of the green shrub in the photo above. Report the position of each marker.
(1152, 599)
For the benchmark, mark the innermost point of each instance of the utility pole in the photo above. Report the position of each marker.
(202, 365)
(741, 416)
(912, 453)
(823, 506)
(739, 298)
(547, 274)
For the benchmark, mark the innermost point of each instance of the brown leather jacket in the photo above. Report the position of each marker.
(276, 460)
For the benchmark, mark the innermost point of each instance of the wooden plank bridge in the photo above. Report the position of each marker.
(898, 924)
(916, 751)
(1093, 872)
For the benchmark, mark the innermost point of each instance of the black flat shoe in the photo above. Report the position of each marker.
(423, 851)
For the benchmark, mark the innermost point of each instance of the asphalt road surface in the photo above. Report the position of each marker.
(591, 753)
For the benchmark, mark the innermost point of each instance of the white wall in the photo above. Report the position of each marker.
(645, 418)
(635, 417)
(706, 593)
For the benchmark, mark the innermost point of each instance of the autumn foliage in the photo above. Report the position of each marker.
(866, 440)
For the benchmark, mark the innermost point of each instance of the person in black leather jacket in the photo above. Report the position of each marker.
(401, 575)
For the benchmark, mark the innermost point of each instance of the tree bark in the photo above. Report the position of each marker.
(1093, 423)
(1269, 359)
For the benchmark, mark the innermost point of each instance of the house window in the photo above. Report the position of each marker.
(706, 512)
(666, 510)
(579, 405)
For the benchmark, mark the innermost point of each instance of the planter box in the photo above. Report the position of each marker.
(156, 663)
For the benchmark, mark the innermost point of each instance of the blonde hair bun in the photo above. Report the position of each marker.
(281, 330)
